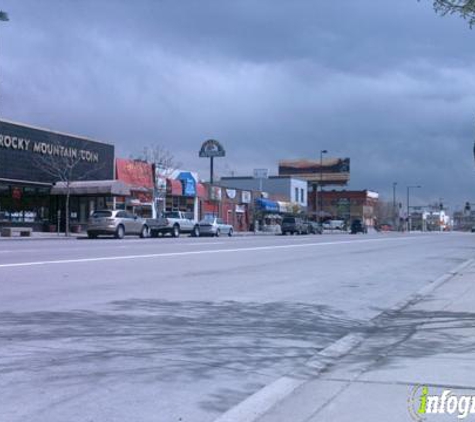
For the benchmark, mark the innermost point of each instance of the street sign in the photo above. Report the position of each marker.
(261, 173)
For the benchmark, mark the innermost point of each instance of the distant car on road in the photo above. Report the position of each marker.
(473, 229)
(357, 226)
(117, 223)
(315, 228)
(294, 225)
(214, 226)
(334, 225)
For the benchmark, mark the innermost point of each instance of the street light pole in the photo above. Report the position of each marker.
(320, 210)
(394, 206)
(409, 219)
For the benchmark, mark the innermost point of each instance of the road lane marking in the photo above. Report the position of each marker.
(205, 252)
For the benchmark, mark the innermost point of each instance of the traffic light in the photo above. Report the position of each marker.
(467, 207)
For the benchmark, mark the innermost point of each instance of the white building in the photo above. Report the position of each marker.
(291, 188)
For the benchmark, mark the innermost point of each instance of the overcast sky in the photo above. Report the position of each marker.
(388, 83)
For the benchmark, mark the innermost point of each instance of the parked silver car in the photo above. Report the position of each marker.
(213, 226)
(117, 223)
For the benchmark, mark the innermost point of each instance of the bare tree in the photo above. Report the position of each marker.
(164, 163)
(463, 8)
(65, 164)
(384, 211)
(162, 158)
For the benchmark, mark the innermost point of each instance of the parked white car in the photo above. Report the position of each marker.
(213, 226)
(174, 223)
(334, 225)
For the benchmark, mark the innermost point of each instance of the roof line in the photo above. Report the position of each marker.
(84, 138)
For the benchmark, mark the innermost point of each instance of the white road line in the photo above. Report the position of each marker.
(211, 251)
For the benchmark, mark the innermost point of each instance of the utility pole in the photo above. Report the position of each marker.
(320, 210)
(395, 216)
(409, 219)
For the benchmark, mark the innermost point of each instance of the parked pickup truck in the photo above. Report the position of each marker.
(173, 223)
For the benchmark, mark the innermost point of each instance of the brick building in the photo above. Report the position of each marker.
(345, 205)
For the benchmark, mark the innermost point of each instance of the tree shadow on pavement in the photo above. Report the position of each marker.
(406, 336)
(158, 341)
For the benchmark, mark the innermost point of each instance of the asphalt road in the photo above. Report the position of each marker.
(184, 329)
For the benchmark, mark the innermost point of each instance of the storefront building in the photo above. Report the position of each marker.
(33, 160)
(234, 206)
(137, 175)
(345, 205)
(183, 193)
(287, 188)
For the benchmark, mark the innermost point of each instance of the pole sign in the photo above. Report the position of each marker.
(261, 173)
(212, 148)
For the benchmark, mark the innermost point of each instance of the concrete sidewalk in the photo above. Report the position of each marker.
(43, 236)
(430, 343)
(73, 236)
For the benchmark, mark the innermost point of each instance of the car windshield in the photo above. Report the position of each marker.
(171, 214)
(102, 214)
(208, 219)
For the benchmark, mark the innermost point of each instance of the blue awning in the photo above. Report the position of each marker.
(188, 182)
(267, 205)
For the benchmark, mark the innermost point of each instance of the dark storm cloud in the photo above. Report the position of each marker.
(389, 84)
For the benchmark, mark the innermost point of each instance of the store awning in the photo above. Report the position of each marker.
(174, 187)
(201, 191)
(188, 183)
(267, 205)
(92, 187)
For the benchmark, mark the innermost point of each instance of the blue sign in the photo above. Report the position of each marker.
(266, 205)
(188, 182)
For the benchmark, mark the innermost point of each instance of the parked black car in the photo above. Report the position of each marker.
(357, 226)
(294, 225)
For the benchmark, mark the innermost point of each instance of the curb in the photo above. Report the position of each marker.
(257, 405)
(24, 239)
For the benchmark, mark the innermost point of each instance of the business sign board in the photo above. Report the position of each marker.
(212, 148)
(231, 193)
(25, 150)
(135, 173)
(246, 197)
(261, 173)
(215, 193)
(189, 184)
(333, 171)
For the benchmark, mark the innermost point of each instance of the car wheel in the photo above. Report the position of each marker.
(230, 232)
(176, 231)
(153, 233)
(91, 235)
(120, 232)
(196, 232)
(218, 233)
(144, 232)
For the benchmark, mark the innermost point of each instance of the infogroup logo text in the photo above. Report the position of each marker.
(422, 403)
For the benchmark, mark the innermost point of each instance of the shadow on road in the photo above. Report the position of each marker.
(403, 338)
(155, 341)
